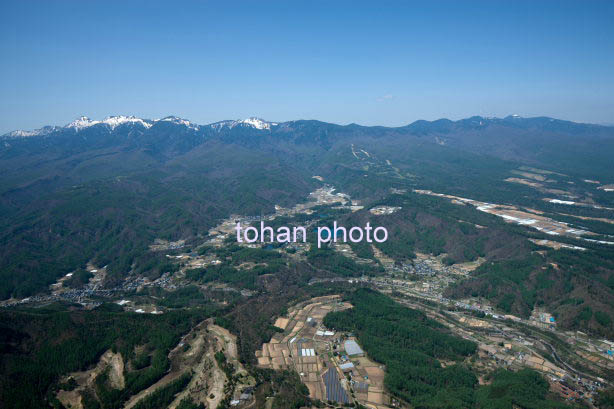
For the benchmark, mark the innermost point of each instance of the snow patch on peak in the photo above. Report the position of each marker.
(22, 134)
(81, 122)
(221, 124)
(178, 121)
(252, 122)
(26, 134)
(114, 121)
(110, 121)
(258, 123)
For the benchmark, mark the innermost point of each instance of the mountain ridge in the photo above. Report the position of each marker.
(441, 124)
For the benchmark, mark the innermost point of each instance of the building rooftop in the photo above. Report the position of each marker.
(352, 348)
(347, 366)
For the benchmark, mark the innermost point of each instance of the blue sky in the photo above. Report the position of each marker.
(386, 63)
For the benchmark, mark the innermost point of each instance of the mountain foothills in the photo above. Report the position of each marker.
(516, 214)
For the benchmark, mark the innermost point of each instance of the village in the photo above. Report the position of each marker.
(332, 364)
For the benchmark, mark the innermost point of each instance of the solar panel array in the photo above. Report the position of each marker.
(361, 387)
(334, 390)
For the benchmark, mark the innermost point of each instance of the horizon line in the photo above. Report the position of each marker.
(275, 123)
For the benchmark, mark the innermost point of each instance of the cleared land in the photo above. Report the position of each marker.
(313, 351)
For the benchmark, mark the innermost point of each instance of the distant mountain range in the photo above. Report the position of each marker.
(421, 126)
(541, 141)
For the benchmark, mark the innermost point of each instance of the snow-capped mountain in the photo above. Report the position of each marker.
(252, 122)
(185, 134)
(36, 132)
(178, 121)
(112, 122)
